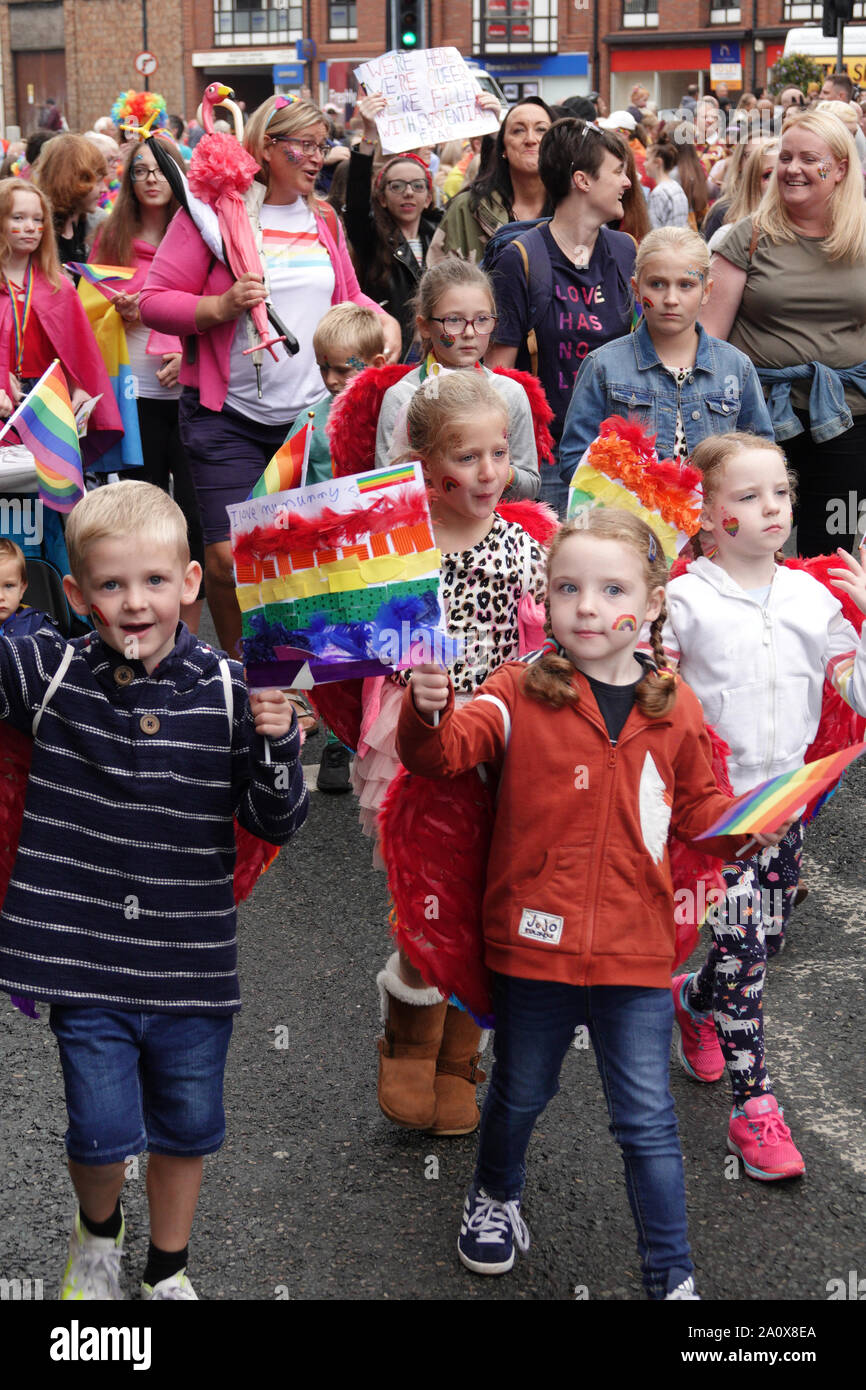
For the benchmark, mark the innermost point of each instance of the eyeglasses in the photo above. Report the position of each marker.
(304, 147)
(456, 323)
(139, 173)
(400, 185)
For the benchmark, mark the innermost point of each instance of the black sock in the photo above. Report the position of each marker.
(109, 1229)
(162, 1264)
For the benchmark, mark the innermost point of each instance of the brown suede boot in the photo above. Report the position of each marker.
(457, 1073)
(414, 1019)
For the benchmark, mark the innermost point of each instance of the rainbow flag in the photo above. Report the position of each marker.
(288, 467)
(763, 809)
(95, 274)
(387, 477)
(46, 426)
(110, 338)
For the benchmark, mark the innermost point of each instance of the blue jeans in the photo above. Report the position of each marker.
(630, 1029)
(138, 1080)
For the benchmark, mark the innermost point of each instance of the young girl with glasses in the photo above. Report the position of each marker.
(456, 315)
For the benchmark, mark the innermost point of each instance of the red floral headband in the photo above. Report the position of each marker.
(404, 159)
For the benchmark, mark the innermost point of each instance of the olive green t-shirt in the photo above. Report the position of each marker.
(798, 307)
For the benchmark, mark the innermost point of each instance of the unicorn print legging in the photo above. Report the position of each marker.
(747, 927)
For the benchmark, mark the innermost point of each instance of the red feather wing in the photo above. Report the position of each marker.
(539, 407)
(435, 840)
(355, 415)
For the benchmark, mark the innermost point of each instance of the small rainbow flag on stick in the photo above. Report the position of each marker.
(46, 426)
(95, 274)
(288, 467)
(767, 806)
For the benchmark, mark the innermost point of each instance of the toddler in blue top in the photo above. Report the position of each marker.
(669, 374)
(120, 910)
(16, 619)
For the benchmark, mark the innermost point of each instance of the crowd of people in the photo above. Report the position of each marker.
(482, 308)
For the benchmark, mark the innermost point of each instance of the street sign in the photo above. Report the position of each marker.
(146, 63)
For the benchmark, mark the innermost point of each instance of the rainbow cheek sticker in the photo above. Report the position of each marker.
(99, 617)
(626, 622)
(449, 484)
(731, 525)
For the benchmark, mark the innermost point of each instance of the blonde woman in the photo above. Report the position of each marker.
(756, 171)
(230, 434)
(790, 291)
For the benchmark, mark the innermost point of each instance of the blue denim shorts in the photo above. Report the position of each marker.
(139, 1081)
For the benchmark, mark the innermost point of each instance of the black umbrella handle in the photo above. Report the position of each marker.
(291, 343)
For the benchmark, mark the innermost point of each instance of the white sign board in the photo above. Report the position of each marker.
(146, 63)
(431, 97)
(726, 72)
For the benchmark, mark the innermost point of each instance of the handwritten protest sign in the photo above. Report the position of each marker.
(339, 580)
(431, 97)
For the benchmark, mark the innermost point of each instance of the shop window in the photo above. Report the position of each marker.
(342, 21)
(640, 14)
(257, 22)
(514, 26)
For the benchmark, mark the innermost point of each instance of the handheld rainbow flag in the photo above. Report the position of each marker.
(110, 338)
(288, 467)
(46, 426)
(763, 809)
(99, 275)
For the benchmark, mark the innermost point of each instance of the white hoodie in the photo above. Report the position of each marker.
(759, 671)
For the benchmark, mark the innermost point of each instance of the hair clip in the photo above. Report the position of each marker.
(652, 549)
(280, 103)
(664, 674)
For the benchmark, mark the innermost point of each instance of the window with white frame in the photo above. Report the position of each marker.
(257, 22)
(342, 20)
(724, 14)
(514, 26)
(640, 14)
(813, 10)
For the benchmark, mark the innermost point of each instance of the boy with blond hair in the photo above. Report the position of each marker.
(16, 619)
(120, 910)
(349, 338)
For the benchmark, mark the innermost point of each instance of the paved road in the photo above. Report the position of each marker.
(315, 1195)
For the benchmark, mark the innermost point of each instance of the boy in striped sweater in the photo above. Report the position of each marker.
(120, 909)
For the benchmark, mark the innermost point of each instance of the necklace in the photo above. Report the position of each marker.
(20, 316)
(578, 255)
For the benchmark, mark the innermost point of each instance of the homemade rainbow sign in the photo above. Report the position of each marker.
(621, 469)
(339, 580)
(767, 806)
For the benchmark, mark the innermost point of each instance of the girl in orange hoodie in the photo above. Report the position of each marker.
(598, 753)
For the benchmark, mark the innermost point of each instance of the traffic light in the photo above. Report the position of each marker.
(835, 10)
(408, 27)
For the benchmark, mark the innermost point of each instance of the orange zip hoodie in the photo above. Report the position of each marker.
(578, 880)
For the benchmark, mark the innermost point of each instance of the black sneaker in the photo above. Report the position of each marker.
(489, 1232)
(334, 769)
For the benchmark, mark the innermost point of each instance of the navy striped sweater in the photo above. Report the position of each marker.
(121, 895)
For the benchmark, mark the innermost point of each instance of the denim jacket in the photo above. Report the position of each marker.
(625, 377)
(829, 415)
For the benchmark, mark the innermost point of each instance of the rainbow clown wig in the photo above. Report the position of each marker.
(137, 108)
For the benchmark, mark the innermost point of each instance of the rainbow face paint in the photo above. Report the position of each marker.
(448, 484)
(446, 340)
(626, 622)
(823, 169)
(647, 302)
(730, 524)
(97, 616)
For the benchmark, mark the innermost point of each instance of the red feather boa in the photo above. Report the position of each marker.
(404, 507)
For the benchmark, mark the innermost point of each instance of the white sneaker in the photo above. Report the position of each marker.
(175, 1286)
(684, 1291)
(93, 1268)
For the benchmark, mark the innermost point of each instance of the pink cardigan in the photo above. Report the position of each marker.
(184, 271)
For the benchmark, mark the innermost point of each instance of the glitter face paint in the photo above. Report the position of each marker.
(730, 524)
(355, 363)
(292, 155)
(698, 274)
(626, 622)
(448, 484)
(823, 169)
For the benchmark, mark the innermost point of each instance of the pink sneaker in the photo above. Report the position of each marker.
(698, 1047)
(759, 1136)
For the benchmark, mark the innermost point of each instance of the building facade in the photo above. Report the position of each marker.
(83, 52)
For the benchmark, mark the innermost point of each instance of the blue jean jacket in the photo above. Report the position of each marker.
(829, 415)
(625, 377)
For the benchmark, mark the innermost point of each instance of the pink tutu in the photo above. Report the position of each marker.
(374, 768)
